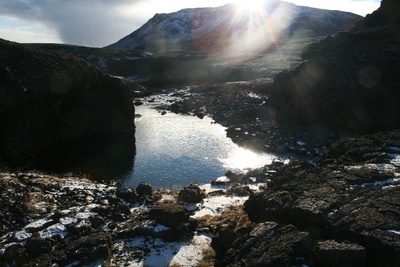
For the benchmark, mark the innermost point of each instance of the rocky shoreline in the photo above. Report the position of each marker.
(342, 211)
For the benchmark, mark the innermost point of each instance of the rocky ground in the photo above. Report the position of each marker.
(68, 221)
(342, 211)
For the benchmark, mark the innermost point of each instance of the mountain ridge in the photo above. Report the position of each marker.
(226, 28)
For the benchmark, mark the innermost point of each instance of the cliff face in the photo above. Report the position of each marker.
(46, 98)
(350, 80)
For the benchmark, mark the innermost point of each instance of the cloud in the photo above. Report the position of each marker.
(84, 22)
(361, 7)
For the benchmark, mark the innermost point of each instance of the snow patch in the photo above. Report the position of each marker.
(38, 223)
(217, 204)
(377, 183)
(54, 230)
(161, 253)
(22, 235)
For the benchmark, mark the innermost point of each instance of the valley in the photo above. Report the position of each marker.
(322, 106)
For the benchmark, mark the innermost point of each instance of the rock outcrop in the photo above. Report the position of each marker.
(349, 80)
(46, 98)
(348, 202)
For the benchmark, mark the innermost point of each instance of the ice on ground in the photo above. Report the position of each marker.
(378, 183)
(22, 235)
(300, 143)
(212, 188)
(54, 230)
(395, 159)
(38, 223)
(68, 220)
(216, 205)
(158, 228)
(162, 253)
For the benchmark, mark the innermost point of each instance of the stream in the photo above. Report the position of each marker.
(176, 150)
(172, 151)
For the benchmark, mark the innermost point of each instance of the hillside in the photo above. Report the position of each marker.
(228, 30)
(47, 99)
(349, 80)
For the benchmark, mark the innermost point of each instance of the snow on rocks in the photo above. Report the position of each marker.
(117, 224)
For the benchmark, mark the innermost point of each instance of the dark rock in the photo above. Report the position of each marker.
(138, 103)
(240, 190)
(163, 112)
(233, 177)
(96, 221)
(191, 194)
(174, 216)
(15, 253)
(348, 195)
(36, 246)
(47, 98)
(331, 253)
(126, 194)
(267, 244)
(113, 200)
(170, 215)
(144, 189)
(103, 211)
(200, 115)
(90, 249)
(223, 240)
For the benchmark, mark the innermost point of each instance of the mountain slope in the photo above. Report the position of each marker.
(233, 31)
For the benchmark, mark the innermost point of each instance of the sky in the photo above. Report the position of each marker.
(98, 23)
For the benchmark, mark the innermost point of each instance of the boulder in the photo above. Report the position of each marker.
(266, 244)
(351, 194)
(144, 189)
(173, 216)
(126, 194)
(191, 194)
(331, 253)
(240, 190)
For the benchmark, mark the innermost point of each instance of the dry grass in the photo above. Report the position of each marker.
(208, 258)
(233, 218)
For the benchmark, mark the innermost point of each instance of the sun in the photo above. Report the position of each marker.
(250, 5)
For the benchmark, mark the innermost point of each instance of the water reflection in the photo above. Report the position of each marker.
(102, 158)
(175, 150)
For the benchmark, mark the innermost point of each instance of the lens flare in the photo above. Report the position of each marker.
(258, 26)
(250, 6)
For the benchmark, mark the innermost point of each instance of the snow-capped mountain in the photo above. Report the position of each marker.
(235, 31)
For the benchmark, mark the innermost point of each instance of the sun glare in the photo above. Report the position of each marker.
(250, 5)
(244, 159)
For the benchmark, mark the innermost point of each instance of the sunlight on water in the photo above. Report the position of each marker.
(244, 159)
(176, 150)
